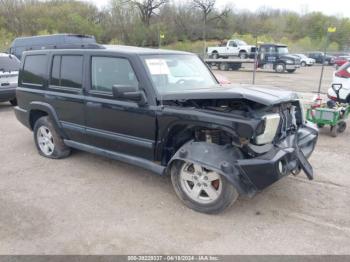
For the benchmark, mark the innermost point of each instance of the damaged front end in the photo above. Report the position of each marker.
(287, 156)
(281, 145)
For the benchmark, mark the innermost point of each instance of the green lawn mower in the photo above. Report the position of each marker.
(333, 113)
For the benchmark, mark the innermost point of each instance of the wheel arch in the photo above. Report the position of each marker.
(215, 53)
(278, 62)
(40, 109)
(221, 159)
(179, 133)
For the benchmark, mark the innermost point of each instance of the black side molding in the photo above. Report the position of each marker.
(137, 161)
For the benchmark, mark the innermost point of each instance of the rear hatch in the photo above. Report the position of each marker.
(9, 66)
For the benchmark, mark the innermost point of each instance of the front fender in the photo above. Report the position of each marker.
(221, 159)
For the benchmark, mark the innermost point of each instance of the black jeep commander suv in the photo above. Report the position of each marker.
(166, 112)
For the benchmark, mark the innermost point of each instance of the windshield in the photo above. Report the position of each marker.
(282, 50)
(176, 73)
(302, 56)
(240, 42)
(9, 63)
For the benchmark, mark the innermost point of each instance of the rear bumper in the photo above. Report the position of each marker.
(22, 116)
(7, 93)
(280, 161)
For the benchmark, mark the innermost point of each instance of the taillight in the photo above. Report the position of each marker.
(334, 98)
(343, 73)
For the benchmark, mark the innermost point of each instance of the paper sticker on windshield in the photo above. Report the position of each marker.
(157, 66)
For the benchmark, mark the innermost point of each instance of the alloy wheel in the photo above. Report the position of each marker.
(45, 140)
(200, 184)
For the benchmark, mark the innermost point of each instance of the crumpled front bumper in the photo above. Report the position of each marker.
(281, 160)
(249, 176)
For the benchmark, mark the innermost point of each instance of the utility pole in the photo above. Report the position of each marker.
(159, 38)
(204, 37)
(255, 57)
(328, 31)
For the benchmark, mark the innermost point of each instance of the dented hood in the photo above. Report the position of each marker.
(258, 94)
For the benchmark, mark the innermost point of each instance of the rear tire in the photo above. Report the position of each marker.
(341, 126)
(48, 141)
(235, 67)
(334, 131)
(223, 66)
(191, 186)
(243, 55)
(338, 129)
(303, 64)
(215, 55)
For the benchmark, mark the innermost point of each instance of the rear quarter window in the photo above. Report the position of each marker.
(34, 70)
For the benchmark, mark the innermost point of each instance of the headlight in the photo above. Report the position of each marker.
(290, 62)
(271, 125)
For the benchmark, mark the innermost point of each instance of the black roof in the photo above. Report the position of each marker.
(141, 50)
(113, 48)
(53, 39)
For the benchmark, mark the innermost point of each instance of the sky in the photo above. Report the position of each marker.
(335, 7)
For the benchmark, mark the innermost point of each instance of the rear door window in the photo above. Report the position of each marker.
(67, 71)
(34, 69)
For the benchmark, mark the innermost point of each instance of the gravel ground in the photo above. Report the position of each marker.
(90, 204)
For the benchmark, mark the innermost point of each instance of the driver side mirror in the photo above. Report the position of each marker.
(128, 92)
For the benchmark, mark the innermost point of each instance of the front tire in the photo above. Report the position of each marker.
(48, 141)
(201, 189)
(280, 68)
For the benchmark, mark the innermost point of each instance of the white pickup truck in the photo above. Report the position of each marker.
(234, 47)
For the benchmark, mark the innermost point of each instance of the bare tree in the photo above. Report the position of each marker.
(147, 8)
(122, 16)
(206, 7)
